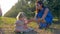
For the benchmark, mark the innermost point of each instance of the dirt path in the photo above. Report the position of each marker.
(56, 31)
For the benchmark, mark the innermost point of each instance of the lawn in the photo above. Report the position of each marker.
(7, 25)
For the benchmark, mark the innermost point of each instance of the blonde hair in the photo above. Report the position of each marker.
(21, 15)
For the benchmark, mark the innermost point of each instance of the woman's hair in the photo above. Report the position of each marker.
(40, 2)
(21, 15)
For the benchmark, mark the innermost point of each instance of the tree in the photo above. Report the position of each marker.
(28, 6)
(22, 6)
(54, 5)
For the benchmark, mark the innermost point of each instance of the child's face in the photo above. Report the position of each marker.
(21, 18)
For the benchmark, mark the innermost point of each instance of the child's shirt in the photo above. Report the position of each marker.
(20, 25)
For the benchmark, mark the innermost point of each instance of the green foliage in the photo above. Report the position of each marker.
(1, 20)
(29, 8)
(22, 6)
(54, 6)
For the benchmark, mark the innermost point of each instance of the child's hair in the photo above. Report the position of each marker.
(21, 15)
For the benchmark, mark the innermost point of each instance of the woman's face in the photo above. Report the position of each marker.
(39, 6)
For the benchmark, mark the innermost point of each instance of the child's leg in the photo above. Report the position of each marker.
(31, 32)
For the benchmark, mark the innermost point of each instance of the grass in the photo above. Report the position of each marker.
(7, 20)
(55, 19)
(7, 24)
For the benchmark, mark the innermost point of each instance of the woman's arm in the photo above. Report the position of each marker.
(45, 13)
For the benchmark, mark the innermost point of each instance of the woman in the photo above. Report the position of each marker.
(44, 16)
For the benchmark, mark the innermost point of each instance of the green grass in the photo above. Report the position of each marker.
(7, 24)
(55, 19)
(7, 20)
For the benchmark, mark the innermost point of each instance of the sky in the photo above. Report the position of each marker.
(7, 5)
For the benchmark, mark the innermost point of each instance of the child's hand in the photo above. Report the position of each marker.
(41, 20)
(31, 19)
(26, 21)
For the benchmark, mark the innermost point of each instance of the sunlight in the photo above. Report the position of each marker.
(7, 4)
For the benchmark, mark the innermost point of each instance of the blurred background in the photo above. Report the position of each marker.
(10, 8)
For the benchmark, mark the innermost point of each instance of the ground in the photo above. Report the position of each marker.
(7, 27)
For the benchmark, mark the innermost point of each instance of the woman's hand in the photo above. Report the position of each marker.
(42, 20)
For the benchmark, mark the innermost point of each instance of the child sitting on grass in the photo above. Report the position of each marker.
(21, 25)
